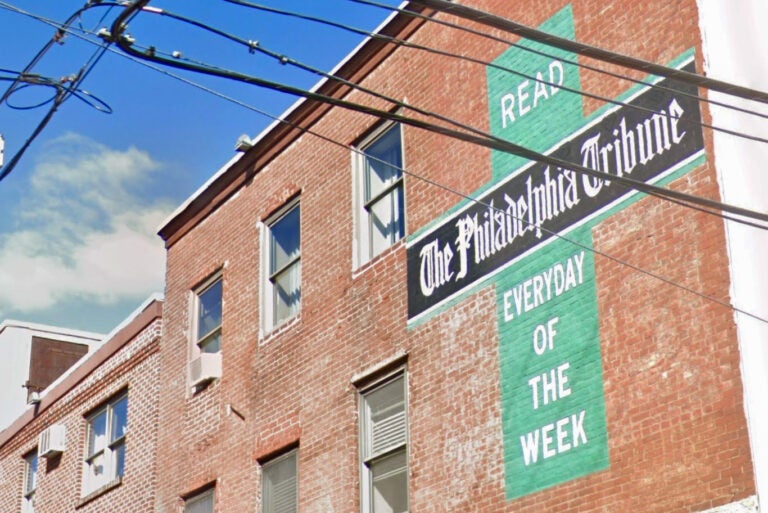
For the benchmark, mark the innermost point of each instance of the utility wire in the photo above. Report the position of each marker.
(462, 195)
(62, 93)
(626, 61)
(465, 196)
(30, 80)
(142, 61)
(254, 46)
(484, 139)
(435, 51)
(535, 51)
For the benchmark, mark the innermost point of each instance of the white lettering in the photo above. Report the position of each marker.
(526, 96)
(569, 434)
(543, 287)
(507, 109)
(554, 385)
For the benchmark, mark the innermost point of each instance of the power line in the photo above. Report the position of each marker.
(416, 46)
(141, 60)
(24, 79)
(681, 198)
(475, 200)
(480, 138)
(535, 51)
(626, 61)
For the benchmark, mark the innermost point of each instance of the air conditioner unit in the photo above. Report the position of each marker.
(52, 441)
(205, 368)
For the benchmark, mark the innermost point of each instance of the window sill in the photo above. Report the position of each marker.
(281, 328)
(98, 492)
(361, 269)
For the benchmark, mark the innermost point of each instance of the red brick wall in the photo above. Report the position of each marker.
(59, 487)
(676, 431)
(49, 359)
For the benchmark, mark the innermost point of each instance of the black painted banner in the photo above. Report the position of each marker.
(660, 128)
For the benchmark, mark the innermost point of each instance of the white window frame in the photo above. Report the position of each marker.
(370, 458)
(111, 450)
(267, 506)
(363, 250)
(200, 341)
(31, 462)
(192, 502)
(269, 290)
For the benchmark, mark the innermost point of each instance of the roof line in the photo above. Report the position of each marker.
(54, 330)
(127, 331)
(292, 123)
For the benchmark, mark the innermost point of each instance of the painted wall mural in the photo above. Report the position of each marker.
(530, 236)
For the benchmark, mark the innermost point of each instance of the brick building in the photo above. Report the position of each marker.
(34, 357)
(88, 444)
(347, 336)
(373, 317)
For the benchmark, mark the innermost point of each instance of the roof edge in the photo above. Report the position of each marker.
(292, 123)
(150, 310)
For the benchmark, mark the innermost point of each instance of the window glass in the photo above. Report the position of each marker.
(383, 163)
(288, 292)
(97, 433)
(385, 217)
(119, 454)
(285, 266)
(285, 240)
(119, 418)
(202, 503)
(390, 479)
(379, 194)
(30, 482)
(209, 318)
(384, 433)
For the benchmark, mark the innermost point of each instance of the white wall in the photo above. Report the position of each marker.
(735, 49)
(15, 349)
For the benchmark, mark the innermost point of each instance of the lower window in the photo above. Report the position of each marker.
(279, 484)
(30, 482)
(200, 503)
(105, 458)
(384, 447)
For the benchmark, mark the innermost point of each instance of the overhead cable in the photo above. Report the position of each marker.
(707, 297)
(594, 52)
(435, 51)
(62, 93)
(535, 51)
(142, 58)
(487, 140)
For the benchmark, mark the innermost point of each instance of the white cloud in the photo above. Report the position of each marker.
(87, 229)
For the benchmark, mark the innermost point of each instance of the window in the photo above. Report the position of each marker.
(384, 454)
(30, 482)
(200, 503)
(105, 457)
(282, 291)
(279, 484)
(379, 193)
(208, 316)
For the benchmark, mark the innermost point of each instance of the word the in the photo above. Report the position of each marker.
(554, 385)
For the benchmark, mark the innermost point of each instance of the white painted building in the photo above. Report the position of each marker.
(33, 357)
(732, 38)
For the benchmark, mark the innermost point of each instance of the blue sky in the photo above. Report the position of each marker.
(78, 243)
